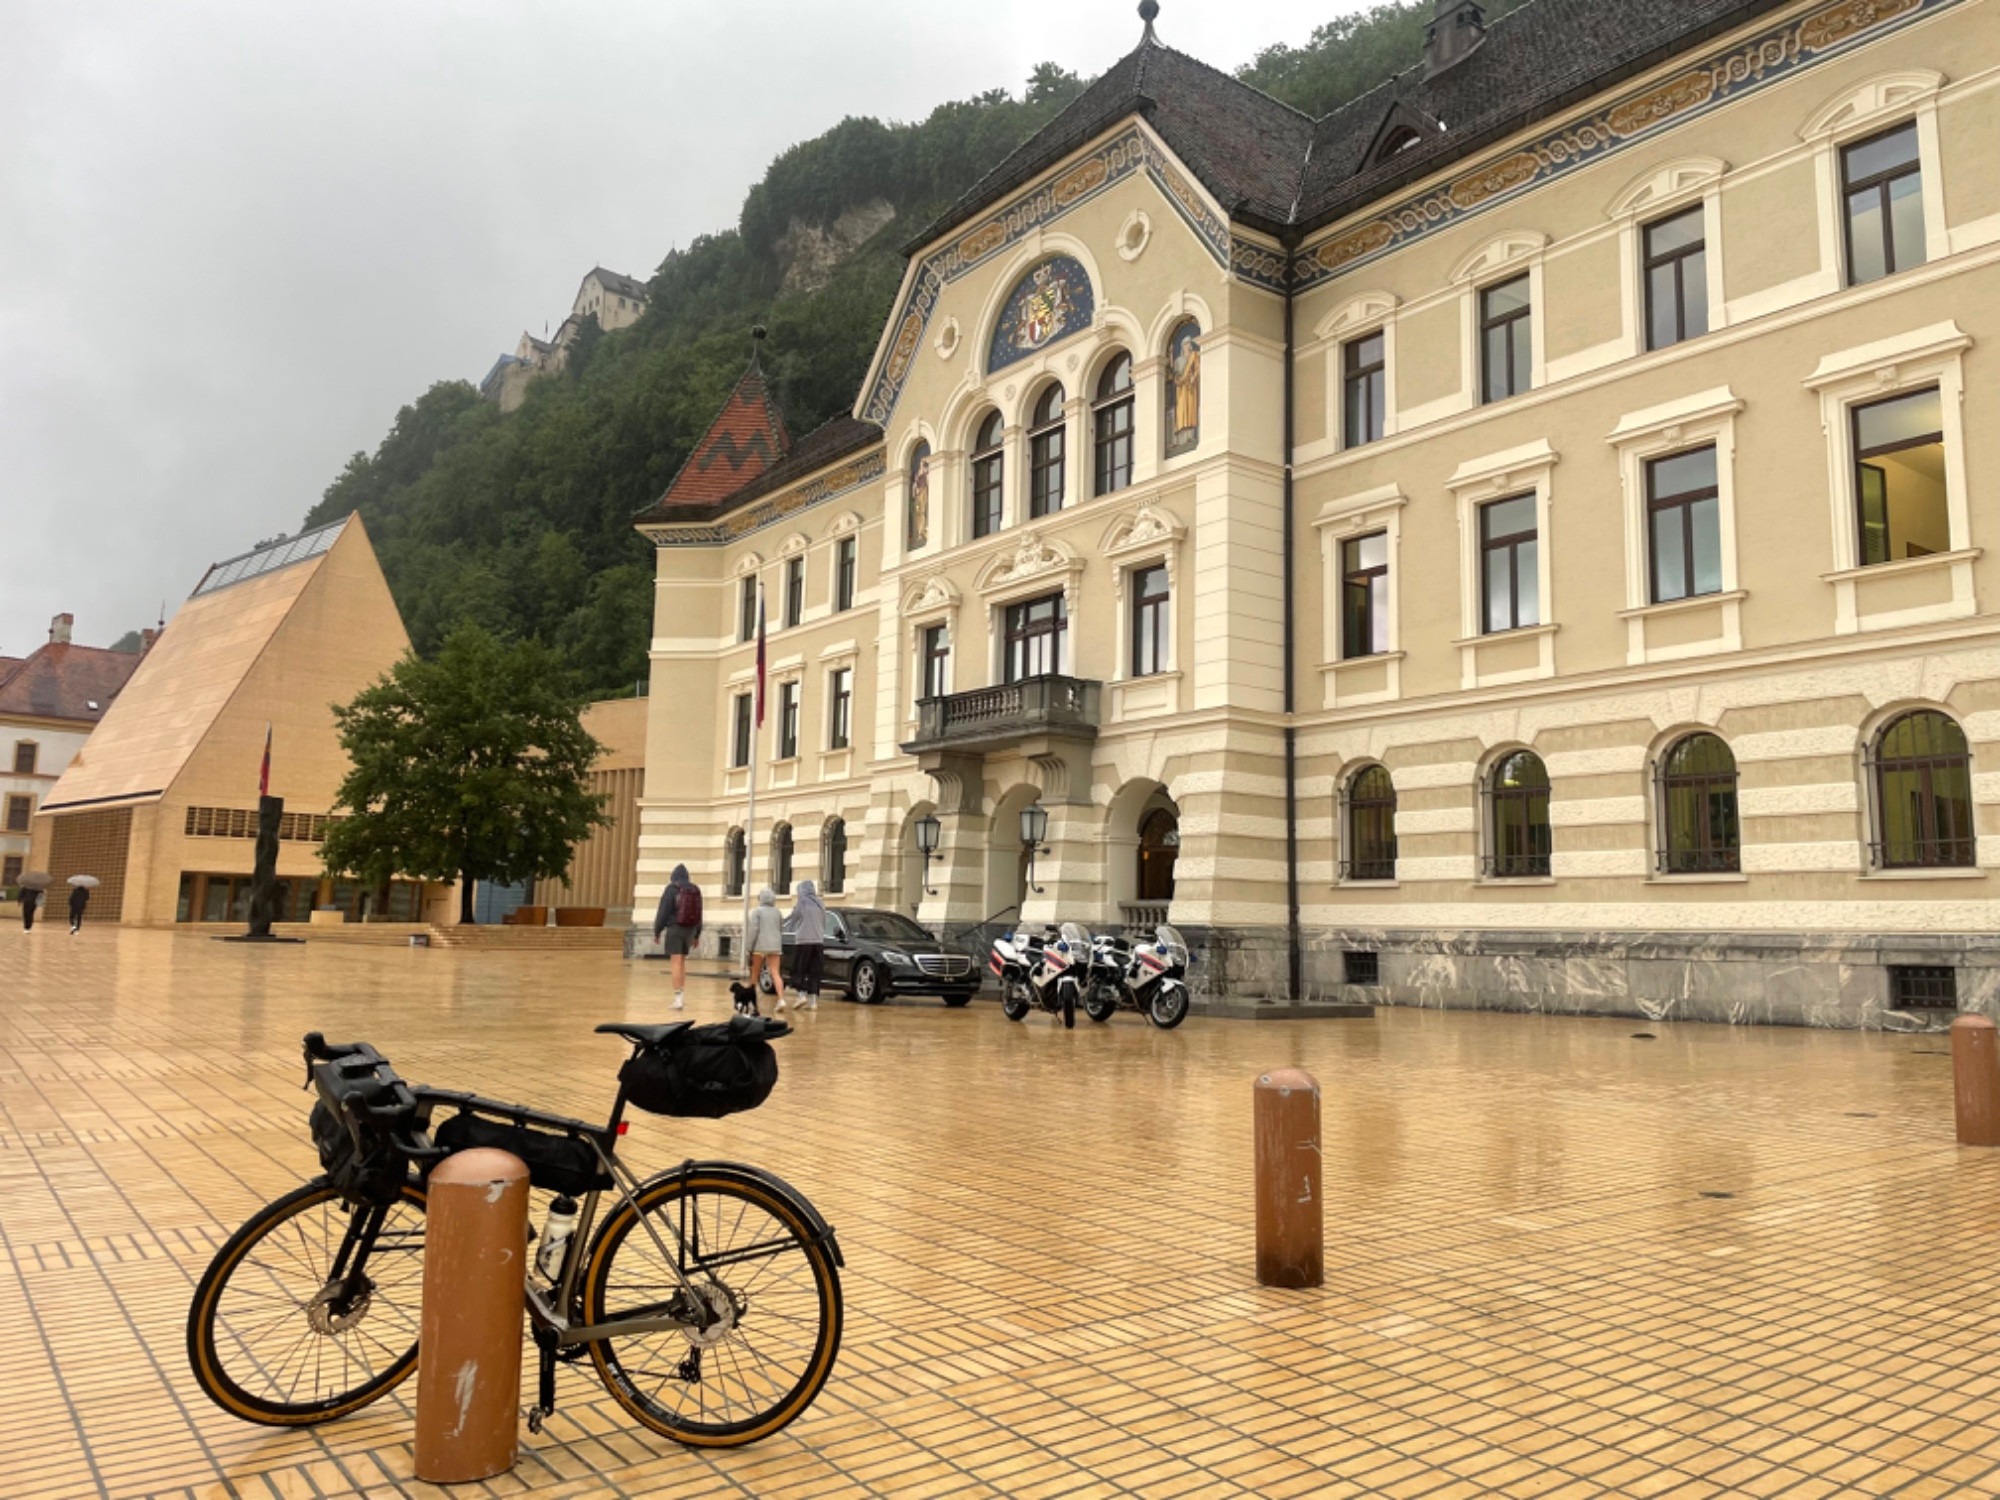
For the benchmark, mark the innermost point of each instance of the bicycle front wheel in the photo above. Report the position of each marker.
(772, 1291)
(294, 1324)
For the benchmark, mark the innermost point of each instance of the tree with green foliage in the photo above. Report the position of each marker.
(471, 766)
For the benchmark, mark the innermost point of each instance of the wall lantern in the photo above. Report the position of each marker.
(1034, 829)
(928, 831)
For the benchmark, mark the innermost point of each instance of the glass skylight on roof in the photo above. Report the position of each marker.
(280, 554)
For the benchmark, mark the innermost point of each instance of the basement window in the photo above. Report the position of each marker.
(1923, 987)
(1363, 968)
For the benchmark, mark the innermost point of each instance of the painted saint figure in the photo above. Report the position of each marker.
(920, 496)
(1184, 387)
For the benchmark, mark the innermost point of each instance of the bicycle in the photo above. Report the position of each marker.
(708, 1300)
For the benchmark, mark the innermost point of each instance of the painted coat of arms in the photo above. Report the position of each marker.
(1052, 300)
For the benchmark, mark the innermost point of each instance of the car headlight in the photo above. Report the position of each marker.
(897, 957)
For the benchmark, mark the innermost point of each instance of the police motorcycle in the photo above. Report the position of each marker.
(1034, 971)
(1149, 977)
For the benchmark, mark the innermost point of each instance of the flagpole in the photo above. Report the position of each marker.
(750, 819)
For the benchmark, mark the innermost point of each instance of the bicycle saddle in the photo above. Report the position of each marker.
(645, 1036)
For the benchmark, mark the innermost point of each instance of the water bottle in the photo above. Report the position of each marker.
(561, 1224)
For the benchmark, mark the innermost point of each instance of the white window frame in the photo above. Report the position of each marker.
(1705, 419)
(1663, 194)
(794, 679)
(1479, 482)
(1143, 536)
(934, 602)
(1499, 260)
(1358, 318)
(830, 669)
(1339, 521)
(1860, 377)
(1855, 114)
(1038, 565)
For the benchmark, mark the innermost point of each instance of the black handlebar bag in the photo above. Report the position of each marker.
(706, 1072)
(357, 1149)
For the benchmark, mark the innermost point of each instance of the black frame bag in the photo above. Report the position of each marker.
(706, 1072)
(563, 1164)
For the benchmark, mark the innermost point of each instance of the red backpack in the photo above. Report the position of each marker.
(687, 907)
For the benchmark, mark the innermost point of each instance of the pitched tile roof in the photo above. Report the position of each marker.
(65, 681)
(827, 443)
(746, 438)
(617, 282)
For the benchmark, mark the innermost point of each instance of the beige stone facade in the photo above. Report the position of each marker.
(1820, 587)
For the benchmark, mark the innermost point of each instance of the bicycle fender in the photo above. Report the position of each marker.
(822, 1231)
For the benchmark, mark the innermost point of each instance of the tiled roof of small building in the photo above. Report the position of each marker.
(747, 438)
(827, 443)
(618, 282)
(64, 681)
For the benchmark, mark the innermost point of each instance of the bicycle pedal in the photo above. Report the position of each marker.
(536, 1416)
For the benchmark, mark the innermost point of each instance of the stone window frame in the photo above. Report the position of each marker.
(1931, 356)
(1856, 113)
(1704, 419)
(1661, 194)
(1343, 849)
(1355, 319)
(1477, 482)
(845, 528)
(1501, 259)
(1340, 520)
(936, 602)
(1867, 784)
(1039, 565)
(34, 758)
(1147, 535)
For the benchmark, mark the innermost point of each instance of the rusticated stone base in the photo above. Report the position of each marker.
(1772, 979)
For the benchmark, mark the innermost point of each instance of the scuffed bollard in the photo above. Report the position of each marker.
(1291, 1230)
(475, 1275)
(1975, 1076)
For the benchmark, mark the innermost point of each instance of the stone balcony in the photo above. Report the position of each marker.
(994, 717)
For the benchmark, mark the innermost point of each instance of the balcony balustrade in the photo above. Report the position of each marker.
(1013, 711)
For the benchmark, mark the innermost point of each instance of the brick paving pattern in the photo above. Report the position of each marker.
(1563, 1261)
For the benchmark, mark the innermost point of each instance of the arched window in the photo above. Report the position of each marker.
(1046, 454)
(1111, 416)
(781, 859)
(1518, 798)
(1699, 832)
(1183, 387)
(1371, 826)
(833, 858)
(918, 532)
(989, 466)
(1923, 794)
(1159, 848)
(733, 851)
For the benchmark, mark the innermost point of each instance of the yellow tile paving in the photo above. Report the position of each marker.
(1562, 1261)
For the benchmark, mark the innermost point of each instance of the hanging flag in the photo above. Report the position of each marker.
(760, 656)
(264, 776)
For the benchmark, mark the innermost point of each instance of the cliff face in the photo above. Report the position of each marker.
(809, 254)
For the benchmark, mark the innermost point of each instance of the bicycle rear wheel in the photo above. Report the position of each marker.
(274, 1337)
(759, 1262)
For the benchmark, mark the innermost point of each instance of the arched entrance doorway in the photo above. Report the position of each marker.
(1006, 856)
(1159, 847)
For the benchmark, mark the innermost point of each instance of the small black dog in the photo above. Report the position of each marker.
(745, 996)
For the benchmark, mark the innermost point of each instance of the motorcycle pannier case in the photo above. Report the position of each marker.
(706, 1072)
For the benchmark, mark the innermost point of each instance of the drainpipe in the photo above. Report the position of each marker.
(1295, 954)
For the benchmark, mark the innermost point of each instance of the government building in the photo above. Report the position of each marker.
(1524, 540)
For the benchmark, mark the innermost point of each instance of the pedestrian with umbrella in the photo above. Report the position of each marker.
(32, 885)
(79, 897)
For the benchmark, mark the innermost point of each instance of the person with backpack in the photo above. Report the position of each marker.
(808, 945)
(764, 941)
(677, 926)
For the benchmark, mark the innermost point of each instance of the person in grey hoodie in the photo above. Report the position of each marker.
(764, 941)
(808, 944)
(676, 938)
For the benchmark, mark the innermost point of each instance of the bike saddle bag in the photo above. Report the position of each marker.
(561, 1163)
(706, 1072)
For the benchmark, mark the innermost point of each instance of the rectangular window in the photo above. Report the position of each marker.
(10, 870)
(1364, 595)
(739, 742)
(1883, 188)
(795, 591)
(1899, 488)
(1509, 560)
(746, 611)
(20, 813)
(986, 474)
(1034, 638)
(1684, 525)
(26, 754)
(1506, 339)
(1045, 472)
(844, 563)
(1676, 279)
(840, 708)
(788, 720)
(1362, 968)
(1364, 365)
(937, 660)
(1149, 620)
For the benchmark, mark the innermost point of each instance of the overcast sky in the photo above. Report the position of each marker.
(236, 236)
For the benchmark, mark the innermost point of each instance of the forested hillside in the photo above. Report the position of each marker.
(522, 522)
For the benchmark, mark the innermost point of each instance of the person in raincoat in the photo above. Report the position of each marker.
(30, 899)
(677, 926)
(808, 944)
(764, 941)
(79, 898)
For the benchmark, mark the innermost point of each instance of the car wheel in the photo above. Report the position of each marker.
(959, 999)
(867, 987)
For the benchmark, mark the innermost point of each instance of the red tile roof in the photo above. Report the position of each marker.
(64, 681)
(745, 440)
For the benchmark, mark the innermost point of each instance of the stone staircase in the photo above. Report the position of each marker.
(530, 939)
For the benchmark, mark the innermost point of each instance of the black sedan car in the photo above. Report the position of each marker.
(875, 954)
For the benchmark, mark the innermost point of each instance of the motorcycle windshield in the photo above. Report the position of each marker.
(1077, 936)
(1174, 944)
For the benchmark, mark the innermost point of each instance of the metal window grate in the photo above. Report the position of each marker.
(1923, 987)
(1363, 968)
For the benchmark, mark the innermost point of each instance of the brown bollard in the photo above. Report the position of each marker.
(1975, 1077)
(475, 1276)
(1291, 1230)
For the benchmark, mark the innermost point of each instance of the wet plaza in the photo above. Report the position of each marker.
(1565, 1257)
